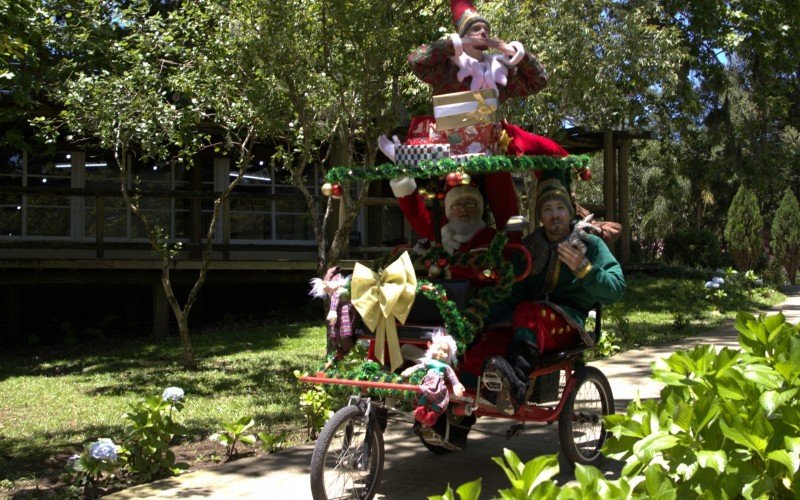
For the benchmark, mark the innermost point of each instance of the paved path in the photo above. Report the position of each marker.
(411, 472)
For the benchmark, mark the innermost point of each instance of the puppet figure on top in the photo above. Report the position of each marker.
(340, 311)
(469, 85)
(435, 395)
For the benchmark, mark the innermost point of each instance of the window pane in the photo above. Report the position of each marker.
(49, 214)
(10, 204)
(115, 217)
(251, 219)
(294, 227)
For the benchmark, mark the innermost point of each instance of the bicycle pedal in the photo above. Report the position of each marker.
(492, 381)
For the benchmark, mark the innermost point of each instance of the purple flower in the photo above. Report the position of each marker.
(172, 394)
(103, 449)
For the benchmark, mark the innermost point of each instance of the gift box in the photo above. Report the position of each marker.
(462, 109)
(411, 155)
(423, 131)
(475, 139)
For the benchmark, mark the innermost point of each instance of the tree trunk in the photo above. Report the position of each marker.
(189, 361)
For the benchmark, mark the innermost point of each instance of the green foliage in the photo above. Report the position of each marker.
(743, 230)
(316, 404)
(233, 433)
(148, 434)
(692, 246)
(95, 466)
(270, 442)
(533, 481)
(785, 241)
(727, 422)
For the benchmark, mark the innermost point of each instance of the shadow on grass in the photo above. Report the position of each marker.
(21, 459)
(159, 356)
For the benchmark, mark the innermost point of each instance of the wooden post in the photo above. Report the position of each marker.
(196, 213)
(99, 224)
(160, 312)
(623, 188)
(609, 171)
(226, 229)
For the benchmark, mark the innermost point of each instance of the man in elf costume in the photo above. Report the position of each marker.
(572, 271)
(458, 63)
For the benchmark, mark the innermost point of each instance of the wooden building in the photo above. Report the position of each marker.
(73, 258)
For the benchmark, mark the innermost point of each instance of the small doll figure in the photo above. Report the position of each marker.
(435, 396)
(340, 311)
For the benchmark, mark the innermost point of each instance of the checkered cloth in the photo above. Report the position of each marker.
(344, 320)
(462, 159)
(411, 155)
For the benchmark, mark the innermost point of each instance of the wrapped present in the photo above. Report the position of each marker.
(411, 155)
(423, 131)
(475, 139)
(462, 109)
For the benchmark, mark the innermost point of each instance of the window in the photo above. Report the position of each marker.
(11, 173)
(102, 174)
(47, 214)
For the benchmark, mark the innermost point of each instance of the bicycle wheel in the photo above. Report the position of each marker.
(340, 466)
(580, 425)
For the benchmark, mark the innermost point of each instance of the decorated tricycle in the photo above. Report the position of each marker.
(497, 327)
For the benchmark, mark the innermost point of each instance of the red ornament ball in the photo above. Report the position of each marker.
(336, 190)
(453, 179)
(585, 174)
(442, 262)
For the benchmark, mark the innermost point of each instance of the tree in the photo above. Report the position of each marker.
(786, 235)
(340, 80)
(743, 230)
(164, 75)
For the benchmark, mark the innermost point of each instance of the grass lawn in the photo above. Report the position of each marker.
(54, 399)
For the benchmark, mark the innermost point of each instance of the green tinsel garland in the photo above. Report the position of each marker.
(461, 325)
(443, 166)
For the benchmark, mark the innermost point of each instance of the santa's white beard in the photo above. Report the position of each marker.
(459, 231)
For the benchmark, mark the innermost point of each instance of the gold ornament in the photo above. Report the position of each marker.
(434, 270)
(326, 189)
(487, 273)
(465, 179)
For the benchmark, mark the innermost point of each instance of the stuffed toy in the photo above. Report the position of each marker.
(340, 311)
(435, 396)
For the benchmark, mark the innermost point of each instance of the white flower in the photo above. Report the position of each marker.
(711, 284)
(74, 458)
(718, 280)
(103, 449)
(172, 394)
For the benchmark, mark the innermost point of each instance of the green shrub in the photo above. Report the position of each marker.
(786, 235)
(148, 435)
(743, 230)
(727, 426)
(694, 247)
(233, 433)
(533, 480)
(727, 421)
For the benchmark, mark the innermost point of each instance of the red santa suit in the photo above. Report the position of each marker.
(455, 238)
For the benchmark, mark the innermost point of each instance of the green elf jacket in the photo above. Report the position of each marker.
(552, 281)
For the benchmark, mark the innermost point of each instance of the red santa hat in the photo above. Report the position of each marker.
(463, 191)
(465, 15)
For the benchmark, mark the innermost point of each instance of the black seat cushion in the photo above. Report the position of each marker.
(425, 312)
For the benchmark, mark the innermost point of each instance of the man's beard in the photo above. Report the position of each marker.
(466, 227)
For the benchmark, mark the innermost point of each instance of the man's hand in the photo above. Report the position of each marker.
(501, 46)
(572, 257)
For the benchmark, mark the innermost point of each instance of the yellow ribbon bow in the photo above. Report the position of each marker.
(483, 113)
(381, 299)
